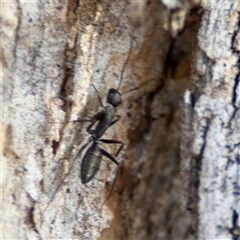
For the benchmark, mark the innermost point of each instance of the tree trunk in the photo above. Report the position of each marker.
(52, 54)
(210, 139)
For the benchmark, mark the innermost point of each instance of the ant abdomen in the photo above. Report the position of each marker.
(91, 163)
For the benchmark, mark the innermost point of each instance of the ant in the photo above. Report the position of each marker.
(93, 156)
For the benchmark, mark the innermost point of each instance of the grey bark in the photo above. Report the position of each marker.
(210, 139)
(52, 53)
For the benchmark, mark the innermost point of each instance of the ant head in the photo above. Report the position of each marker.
(114, 97)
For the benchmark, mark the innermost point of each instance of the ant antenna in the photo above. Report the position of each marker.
(99, 97)
(136, 88)
(125, 64)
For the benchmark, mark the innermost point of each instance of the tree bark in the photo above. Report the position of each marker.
(52, 52)
(210, 139)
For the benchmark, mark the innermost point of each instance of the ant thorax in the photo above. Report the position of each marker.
(105, 122)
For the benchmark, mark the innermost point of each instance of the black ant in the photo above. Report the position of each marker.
(93, 156)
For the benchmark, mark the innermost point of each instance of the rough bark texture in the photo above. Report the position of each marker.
(52, 52)
(211, 128)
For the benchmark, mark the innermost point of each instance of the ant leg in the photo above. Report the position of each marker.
(97, 117)
(82, 120)
(109, 156)
(79, 120)
(113, 142)
(113, 122)
(113, 185)
(99, 97)
(69, 170)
